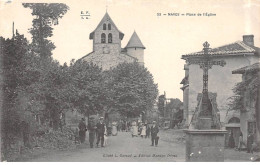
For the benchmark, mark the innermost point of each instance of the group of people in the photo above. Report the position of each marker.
(98, 130)
(144, 130)
(123, 126)
(250, 145)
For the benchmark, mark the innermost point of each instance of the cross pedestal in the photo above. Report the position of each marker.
(204, 144)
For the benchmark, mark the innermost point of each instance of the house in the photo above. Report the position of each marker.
(221, 80)
(250, 109)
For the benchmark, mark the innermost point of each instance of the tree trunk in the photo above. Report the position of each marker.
(55, 119)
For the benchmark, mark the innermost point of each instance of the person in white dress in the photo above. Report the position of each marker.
(114, 128)
(143, 132)
(134, 129)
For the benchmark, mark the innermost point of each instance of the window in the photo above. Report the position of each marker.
(251, 127)
(103, 38)
(104, 26)
(109, 26)
(109, 38)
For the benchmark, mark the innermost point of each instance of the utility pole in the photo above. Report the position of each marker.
(164, 107)
(13, 30)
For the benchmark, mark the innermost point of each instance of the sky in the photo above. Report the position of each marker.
(166, 38)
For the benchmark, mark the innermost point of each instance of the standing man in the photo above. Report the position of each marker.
(250, 141)
(82, 130)
(148, 131)
(100, 131)
(92, 130)
(154, 132)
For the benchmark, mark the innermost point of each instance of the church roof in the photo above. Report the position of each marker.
(236, 48)
(104, 19)
(134, 42)
(250, 68)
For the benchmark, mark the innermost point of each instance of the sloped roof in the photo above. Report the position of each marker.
(134, 42)
(184, 80)
(104, 19)
(235, 48)
(250, 68)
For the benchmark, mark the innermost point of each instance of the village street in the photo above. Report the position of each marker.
(122, 148)
(125, 148)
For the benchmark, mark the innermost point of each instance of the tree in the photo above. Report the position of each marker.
(45, 95)
(174, 111)
(84, 89)
(161, 104)
(13, 52)
(251, 85)
(130, 89)
(47, 14)
(174, 104)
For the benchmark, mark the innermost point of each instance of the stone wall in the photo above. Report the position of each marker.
(205, 146)
(186, 106)
(138, 53)
(107, 61)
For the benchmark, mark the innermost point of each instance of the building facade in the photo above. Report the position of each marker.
(221, 80)
(107, 52)
(250, 114)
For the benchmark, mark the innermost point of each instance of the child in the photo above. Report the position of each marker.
(143, 131)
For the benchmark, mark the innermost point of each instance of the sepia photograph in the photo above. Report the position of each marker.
(130, 80)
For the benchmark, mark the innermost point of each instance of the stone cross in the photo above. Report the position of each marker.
(205, 62)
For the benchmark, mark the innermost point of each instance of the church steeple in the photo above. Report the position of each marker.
(135, 48)
(106, 19)
(135, 42)
(106, 37)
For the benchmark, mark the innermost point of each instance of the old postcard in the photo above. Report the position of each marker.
(130, 80)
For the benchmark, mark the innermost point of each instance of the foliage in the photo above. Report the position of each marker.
(161, 104)
(12, 53)
(130, 89)
(46, 15)
(250, 84)
(37, 89)
(84, 90)
(173, 105)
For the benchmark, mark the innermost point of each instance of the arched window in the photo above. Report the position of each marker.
(109, 26)
(104, 26)
(109, 38)
(103, 38)
(234, 120)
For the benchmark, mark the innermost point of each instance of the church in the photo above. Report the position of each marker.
(107, 52)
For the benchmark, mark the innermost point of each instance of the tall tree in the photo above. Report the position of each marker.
(161, 104)
(84, 90)
(47, 14)
(12, 52)
(131, 89)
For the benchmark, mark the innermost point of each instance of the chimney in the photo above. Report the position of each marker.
(248, 39)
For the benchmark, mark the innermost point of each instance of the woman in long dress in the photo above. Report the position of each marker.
(114, 129)
(134, 129)
(240, 142)
(143, 132)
